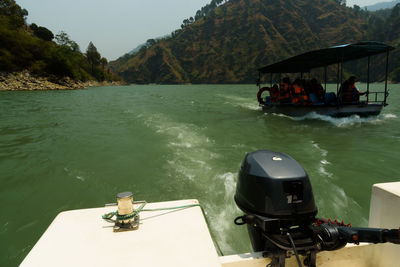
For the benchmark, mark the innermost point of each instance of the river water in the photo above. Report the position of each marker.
(63, 150)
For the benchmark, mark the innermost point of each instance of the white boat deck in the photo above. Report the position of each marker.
(164, 238)
(181, 238)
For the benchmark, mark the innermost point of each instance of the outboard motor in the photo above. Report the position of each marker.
(275, 193)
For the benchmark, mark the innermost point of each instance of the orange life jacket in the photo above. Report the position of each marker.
(299, 95)
(297, 89)
(305, 99)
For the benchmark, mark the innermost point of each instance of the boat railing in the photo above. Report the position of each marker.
(373, 97)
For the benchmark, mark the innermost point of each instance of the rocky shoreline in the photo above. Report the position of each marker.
(28, 82)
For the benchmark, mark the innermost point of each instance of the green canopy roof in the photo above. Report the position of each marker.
(325, 57)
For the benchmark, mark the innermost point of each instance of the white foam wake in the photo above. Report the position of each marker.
(242, 102)
(323, 162)
(191, 151)
(338, 202)
(345, 122)
(222, 214)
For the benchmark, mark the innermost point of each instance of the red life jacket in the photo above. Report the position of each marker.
(296, 95)
(274, 93)
(348, 93)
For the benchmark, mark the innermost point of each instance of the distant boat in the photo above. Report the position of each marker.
(330, 104)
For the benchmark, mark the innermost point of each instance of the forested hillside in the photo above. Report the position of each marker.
(227, 41)
(384, 25)
(35, 49)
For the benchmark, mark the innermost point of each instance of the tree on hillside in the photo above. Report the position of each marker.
(341, 2)
(13, 11)
(103, 62)
(93, 56)
(207, 9)
(150, 42)
(42, 32)
(63, 39)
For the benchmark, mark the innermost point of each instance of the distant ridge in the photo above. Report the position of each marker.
(135, 50)
(226, 43)
(382, 5)
(232, 40)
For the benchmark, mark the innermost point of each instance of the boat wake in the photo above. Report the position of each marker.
(344, 122)
(222, 215)
(338, 204)
(190, 149)
(193, 163)
(242, 102)
(323, 162)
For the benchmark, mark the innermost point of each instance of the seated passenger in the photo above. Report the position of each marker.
(274, 93)
(284, 90)
(348, 92)
(299, 96)
(307, 86)
(317, 90)
(331, 99)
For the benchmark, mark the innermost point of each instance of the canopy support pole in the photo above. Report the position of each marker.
(325, 79)
(369, 60)
(341, 73)
(337, 80)
(386, 77)
(270, 80)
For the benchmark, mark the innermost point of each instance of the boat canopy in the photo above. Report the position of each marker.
(328, 56)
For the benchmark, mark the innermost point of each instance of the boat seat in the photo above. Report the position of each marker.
(331, 99)
(315, 100)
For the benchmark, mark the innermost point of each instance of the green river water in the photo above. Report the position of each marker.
(63, 150)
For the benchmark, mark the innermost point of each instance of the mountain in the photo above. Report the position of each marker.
(229, 43)
(382, 5)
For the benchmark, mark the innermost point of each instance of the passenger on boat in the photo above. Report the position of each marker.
(299, 95)
(307, 86)
(317, 90)
(348, 92)
(284, 90)
(274, 93)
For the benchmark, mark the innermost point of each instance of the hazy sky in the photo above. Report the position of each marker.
(365, 2)
(117, 26)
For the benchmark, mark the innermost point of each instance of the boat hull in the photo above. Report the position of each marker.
(362, 110)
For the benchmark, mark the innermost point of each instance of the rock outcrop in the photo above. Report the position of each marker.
(26, 81)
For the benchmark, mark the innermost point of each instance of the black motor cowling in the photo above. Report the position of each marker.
(275, 193)
(274, 185)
